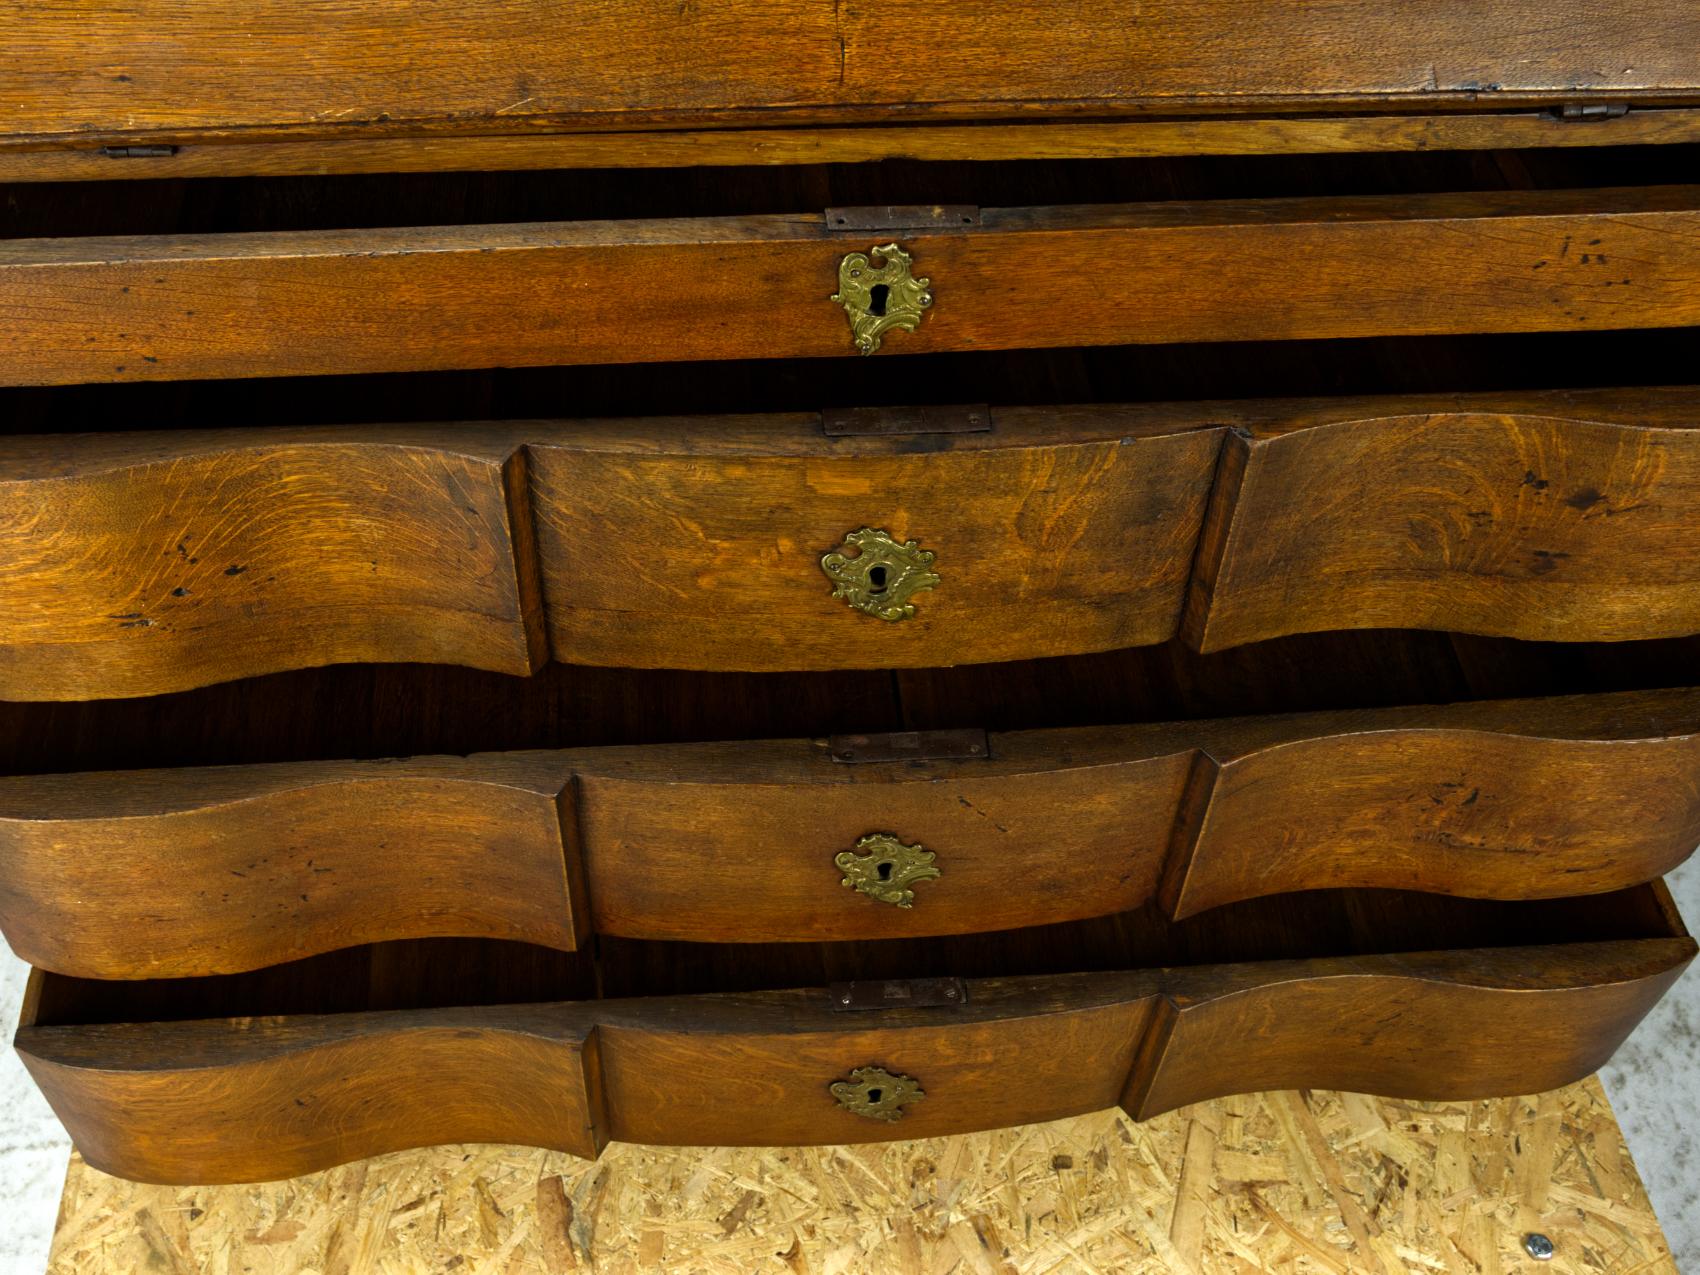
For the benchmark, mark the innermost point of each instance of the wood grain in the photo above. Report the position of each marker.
(140, 564)
(245, 1099)
(157, 874)
(234, 1100)
(680, 148)
(356, 66)
(148, 562)
(151, 874)
(1065, 531)
(1512, 524)
(173, 307)
(1434, 1026)
(1260, 1184)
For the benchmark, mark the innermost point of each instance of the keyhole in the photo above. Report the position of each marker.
(876, 579)
(876, 299)
(874, 1095)
(884, 871)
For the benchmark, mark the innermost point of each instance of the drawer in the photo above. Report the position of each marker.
(150, 562)
(300, 1067)
(791, 285)
(210, 870)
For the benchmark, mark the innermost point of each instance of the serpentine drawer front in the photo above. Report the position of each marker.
(209, 870)
(141, 563)
(294, 1069)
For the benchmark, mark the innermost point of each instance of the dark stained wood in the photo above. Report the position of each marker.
(1058, 139)
(153, 69)
(171, 307)
(149, 562)
(221, 1099)
(150, 874)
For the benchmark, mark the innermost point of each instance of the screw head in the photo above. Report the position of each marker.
(1538, 1246)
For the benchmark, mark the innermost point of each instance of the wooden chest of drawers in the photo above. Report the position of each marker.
(484, 657)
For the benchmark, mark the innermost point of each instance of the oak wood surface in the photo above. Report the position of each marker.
(115, 70)
(170, 307)
(243, 1099)
(1436, 1026)
(209, 870)
(675, 148)
(1042, 548)
(146, 562)
(1474, 522)
(206, 871)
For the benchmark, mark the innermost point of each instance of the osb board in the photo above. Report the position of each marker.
(1288, 1182)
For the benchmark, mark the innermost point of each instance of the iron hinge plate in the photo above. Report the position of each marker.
(847, 422)
(138, 152)
(902, 217)
(898, 993)
(910, 745)
(1589, 112)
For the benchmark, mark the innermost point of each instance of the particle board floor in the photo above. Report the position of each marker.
(1287, 1182)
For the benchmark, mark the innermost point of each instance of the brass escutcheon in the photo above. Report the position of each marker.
(883, 575)
(875, 1093)
(877, 299)
(883, 868)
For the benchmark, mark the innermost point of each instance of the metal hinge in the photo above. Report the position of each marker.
(898, 993)
(843, 422)
(911, 745)
(902, 217)
(138, 152)
(1589, 112)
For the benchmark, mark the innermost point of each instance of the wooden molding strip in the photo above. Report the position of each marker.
(130, 160)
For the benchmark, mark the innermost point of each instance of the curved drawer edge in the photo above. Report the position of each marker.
(1433, 1026)
(220, 870)
(1472, 813)
(245, 1100)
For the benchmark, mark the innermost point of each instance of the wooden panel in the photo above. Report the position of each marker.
(741, 845)
(1518, 525)
(237, 1100)
(1057, 535)
(1466, 812)
(271, 304)
(146, 563)
(1221, 1186)
(1058, 139)
(113, 68)
(155, 874)
(1023, 1050)
(1437, 1026)
(252, 1099)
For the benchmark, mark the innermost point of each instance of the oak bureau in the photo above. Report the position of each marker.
(814, 572)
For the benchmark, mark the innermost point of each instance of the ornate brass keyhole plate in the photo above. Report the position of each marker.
(877, 1094)
(883, 575)
(883, 868)
(877, 299)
